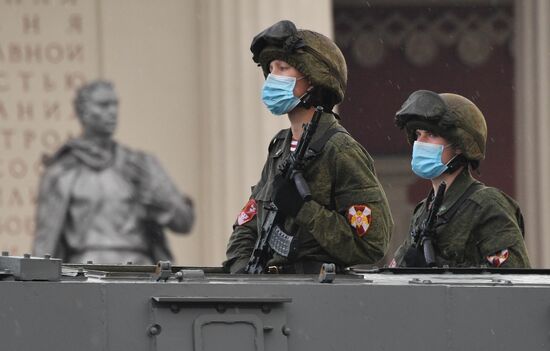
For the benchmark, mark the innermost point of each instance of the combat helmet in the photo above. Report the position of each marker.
(312, 53)
(452, 116)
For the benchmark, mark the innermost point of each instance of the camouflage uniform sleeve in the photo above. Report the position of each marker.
(240, 245)
(498, 234)
(245, 230)
(354, 184)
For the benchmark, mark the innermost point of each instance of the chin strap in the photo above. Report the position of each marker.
(457, 162)
(305, 102)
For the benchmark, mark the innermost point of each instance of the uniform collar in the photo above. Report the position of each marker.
(326, 122)
(457, 188)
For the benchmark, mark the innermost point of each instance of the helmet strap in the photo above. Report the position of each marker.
(456, 162)
(305, 100)
(312, 99)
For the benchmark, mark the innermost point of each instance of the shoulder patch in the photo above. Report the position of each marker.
(360, 218)
(248, 212)
(498, 258)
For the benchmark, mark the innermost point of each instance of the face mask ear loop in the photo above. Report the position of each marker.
(451, 161)
(308, 92)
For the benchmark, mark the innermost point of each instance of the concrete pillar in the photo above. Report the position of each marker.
(235, 128)
(532, 77)
(189, 92)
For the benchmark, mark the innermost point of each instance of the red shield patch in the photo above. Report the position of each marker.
(359, 217)
(497, 259)
(248, 212)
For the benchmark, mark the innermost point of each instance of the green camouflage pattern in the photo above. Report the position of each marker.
(321, 61)
(340, 176)
(470, 132)
(452, 116)
(487, 222)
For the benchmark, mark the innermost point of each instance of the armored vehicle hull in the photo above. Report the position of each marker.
(129, 307)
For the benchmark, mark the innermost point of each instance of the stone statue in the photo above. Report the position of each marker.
(103, 202)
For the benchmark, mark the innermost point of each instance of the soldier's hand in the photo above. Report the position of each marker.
(286, 197)
(414, 257)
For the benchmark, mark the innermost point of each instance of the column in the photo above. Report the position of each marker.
(533, 124)
(235, 127)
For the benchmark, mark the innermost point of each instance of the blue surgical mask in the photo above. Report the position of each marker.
(278, 94)
(426, 160)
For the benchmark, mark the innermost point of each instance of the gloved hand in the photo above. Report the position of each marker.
(286, 197)
(414, 257)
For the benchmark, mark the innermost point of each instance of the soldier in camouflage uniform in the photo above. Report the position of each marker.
(476, 225)
(348, 220)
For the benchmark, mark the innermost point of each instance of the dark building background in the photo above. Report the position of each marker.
(393, 50)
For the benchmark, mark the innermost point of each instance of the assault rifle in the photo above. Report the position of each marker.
(272, 238)
(424, 237)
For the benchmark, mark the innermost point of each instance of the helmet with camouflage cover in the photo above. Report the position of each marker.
(452, 116)
(311, 53)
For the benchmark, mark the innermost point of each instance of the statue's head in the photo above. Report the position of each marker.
(96, 106)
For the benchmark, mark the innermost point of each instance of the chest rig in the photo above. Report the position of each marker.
(282, 241)
(414, 256)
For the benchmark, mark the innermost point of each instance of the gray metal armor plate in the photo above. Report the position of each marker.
(130, 307)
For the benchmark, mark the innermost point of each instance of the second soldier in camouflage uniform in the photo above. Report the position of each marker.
(348, 219)
(476, 225)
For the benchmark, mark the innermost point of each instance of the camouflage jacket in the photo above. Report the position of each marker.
(486, 229)
(342, 180)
